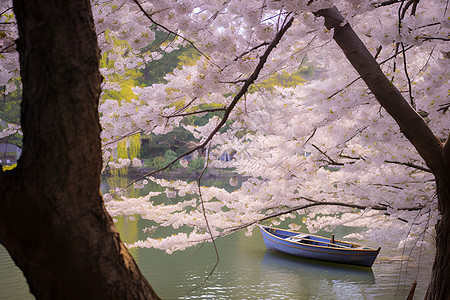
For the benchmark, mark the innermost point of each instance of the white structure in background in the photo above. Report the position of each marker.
(9, 153)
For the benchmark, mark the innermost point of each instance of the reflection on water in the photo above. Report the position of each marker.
(247, 271)
(287, 265)
(12, 282)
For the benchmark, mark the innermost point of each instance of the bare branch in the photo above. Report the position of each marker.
(405, 9)
(386, 3)
(3, 12)
(429, 25)
(351, 157)
(185, 106)
(430, 38)
(195, 112)
(413, 9)
(310, 137)
(330, 160)
(412, 290)
(358, 131)
(444, 107)
(123, 137)
(411, 165)
(378, 52)
(252, 49)
(168, 30)
(7, 48)
(447, 149)
(207, 222)
(426, 63)
(405, 67)
(313, 204)
(347, 86)
(396, 52)
(407, 164)
(356, 79)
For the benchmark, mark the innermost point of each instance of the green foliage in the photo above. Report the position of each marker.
(155, 70)
(6, 168)
(196, 165)
(178, 141)
(128, 80)
(159, 150)
(165, 62)
(196, 120)
(10, 103)
(189, 57)
(15, 139)
(10, 111)
(287, 79)
(158, 162)
(170, 156)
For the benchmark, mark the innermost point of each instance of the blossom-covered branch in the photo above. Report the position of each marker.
(249, 81)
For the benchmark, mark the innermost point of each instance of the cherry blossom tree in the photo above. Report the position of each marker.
(363, 143)
(391, 158)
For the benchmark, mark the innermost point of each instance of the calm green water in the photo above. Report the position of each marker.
(247, 271)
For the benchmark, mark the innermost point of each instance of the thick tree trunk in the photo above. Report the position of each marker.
(52, 218)
(435, 155)
(439, 287)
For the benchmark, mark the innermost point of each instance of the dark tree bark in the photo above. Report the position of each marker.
(52, 218)
(435, 154)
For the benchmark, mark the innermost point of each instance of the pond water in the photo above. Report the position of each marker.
(245, 270)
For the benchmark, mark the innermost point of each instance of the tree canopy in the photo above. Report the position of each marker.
(333, 117)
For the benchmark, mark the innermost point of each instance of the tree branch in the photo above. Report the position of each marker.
(425, 38)
(330, 160)
(252, 49)
(7, 48)
(381, 63)
(447, 150)
(310, 137)
(123, 137)
(385, 3)
(405, 67)
(411, 165)
(3, 12)
(208, 227)
(185, 106)
(248, 82)
(195, 112)
(410, 122)
(313, 204)
(168, 30)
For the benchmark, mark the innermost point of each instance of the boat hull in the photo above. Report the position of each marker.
(318, 248)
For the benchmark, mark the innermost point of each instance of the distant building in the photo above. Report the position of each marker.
(9, 153)
(227, 156)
